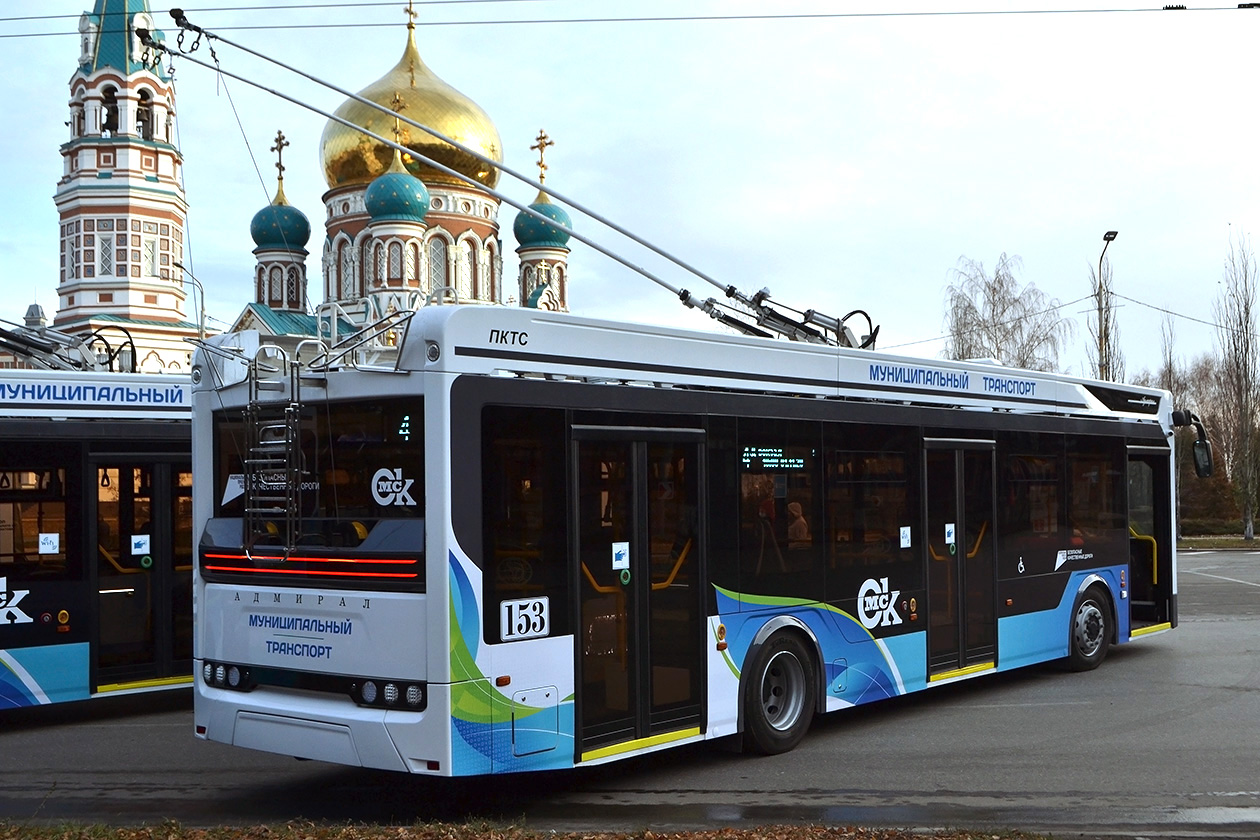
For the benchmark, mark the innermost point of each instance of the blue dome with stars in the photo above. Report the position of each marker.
(397, 195)
(280, 225)
(535, 233)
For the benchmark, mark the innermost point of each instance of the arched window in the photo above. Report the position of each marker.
(411, 267)
(468, 282)
(365, 263)
(144, 115)
(527, 282)
(293, 290)
(277, 287)
(345, 272)
(437, 263)
(395, 262)
(259, 289)
(109, 111)
(378, 264)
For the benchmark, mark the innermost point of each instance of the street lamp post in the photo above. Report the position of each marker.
(201, 290)
(1104, 318)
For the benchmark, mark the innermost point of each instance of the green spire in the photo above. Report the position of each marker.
(107, 39)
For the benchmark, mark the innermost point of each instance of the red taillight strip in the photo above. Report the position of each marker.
(311, 572)
(384, 561)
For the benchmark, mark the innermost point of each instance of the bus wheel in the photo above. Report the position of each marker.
(1090, 631)
(778, 695)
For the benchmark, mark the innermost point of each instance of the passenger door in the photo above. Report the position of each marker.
(959, 494)
(143, 563)
(639, 549)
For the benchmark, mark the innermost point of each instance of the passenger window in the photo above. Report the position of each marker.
(780, 524)
(523, 492)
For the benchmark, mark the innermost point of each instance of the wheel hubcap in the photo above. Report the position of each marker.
(782, 690)
(1088, 629)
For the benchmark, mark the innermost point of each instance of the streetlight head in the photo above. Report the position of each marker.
(1109, 235)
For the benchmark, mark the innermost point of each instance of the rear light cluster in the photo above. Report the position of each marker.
(389, 695)
(224, 675)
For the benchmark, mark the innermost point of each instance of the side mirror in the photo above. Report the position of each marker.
(1202, 452)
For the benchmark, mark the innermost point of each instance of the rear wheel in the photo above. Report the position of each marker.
(779, 695)
(1090, 631)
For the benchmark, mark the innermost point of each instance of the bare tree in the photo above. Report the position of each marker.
(988, 316)
(1234, 311)
(1104, 329)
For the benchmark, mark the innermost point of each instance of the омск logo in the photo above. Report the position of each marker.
(390, 488)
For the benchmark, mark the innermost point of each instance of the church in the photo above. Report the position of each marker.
(399, 234)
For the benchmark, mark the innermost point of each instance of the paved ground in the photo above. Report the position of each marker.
(1163, 740)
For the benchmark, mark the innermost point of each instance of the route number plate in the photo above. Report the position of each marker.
(528, 618)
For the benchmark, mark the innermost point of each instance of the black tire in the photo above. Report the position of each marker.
(1089, 630)
(779, 695)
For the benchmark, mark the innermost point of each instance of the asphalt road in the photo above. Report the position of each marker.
(1163, 740)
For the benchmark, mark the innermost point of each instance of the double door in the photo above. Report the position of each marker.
(636, 515)
(143, 539)
(959, 492)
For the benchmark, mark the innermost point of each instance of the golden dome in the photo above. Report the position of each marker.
(351, 157)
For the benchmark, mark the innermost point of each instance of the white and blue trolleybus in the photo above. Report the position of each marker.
(484, 539)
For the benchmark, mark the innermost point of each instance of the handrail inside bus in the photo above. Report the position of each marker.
(669, 581)
(603, 590)
(1154, 552)
(975, 547)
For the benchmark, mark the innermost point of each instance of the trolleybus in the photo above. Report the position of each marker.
(95, 535)
(486, 539)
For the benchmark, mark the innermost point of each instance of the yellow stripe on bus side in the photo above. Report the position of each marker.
(1146, 631)
(962, 672)
(132, 686)
(630, 746)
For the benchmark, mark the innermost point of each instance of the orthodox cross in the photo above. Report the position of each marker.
(411, 15)
(543, 142)
(279, 150)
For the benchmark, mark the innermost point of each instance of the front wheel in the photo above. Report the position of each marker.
(779, 695)
(1090, 632)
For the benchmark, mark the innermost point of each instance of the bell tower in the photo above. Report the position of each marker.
(121, 197)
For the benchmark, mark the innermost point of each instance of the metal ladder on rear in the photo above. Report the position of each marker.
(273, 460)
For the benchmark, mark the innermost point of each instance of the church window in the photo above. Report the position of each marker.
(395, 261)
(144, 115)
(468, 286)
(148, 258)
(527, 282)
(277, 282)
(107, 259)
(258, 285)
(437, 263)
(293, 296)
(345, 258)
(378, 263)
(411, 267)
(109, 111)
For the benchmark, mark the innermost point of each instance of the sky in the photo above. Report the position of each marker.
(843, 154)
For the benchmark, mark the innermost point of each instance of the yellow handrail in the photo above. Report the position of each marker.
(1154, 553)
(682, 555)
(975, 547)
